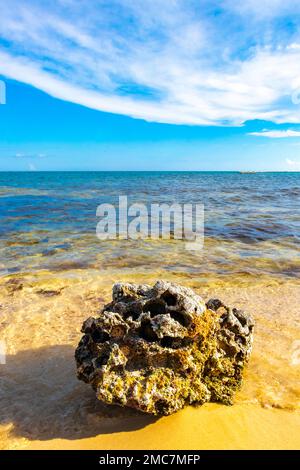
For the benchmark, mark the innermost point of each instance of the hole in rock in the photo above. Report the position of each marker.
(102, 360)
(240, 356)
(137, 362)
(134, 311)
(175, 343)
(169, 298)
(241, 340)
(162, 407)
(99, 336)
(155, 307)
(180, 318)
(133, 315)
(117, 331)
(146, 332)
(84, 340)
(230, 350)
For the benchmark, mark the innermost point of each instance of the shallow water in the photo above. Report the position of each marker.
(252, 222)
(55, 273)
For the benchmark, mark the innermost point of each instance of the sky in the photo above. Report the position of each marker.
(150, 85)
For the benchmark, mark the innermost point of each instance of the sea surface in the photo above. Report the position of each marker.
(252, 222)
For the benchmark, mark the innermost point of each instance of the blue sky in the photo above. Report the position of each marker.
(113, 85)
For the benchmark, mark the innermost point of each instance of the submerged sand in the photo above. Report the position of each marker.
(44, 406)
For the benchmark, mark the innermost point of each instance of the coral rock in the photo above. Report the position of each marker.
(159, 348)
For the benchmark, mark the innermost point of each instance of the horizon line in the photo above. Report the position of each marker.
(151, 171)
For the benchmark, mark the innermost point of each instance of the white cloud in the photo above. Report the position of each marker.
(295, 164)
(262, 10)
(30, 155)
(276, 134)
(174, 62)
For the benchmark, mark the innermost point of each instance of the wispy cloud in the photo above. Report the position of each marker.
(276, 134)
(294, 164)
(181, 61)
(29, 155)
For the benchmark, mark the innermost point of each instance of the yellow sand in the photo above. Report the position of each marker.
(44, 406)
(211, 427)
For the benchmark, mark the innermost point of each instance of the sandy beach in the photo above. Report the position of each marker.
(212, 427)
(44, 406)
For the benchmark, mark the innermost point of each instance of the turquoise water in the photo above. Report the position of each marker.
(252, 222)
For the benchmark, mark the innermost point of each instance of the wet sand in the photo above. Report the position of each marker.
(44, 406)
(211, 427)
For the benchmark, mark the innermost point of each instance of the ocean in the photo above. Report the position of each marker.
(252, 222)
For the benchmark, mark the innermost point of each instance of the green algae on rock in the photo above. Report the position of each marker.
(159, 348)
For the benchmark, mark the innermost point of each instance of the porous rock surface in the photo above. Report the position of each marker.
(159, 348)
